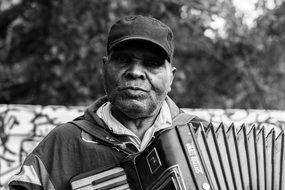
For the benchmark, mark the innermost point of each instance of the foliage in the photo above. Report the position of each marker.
(50, 51)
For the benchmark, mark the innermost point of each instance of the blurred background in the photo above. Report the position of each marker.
(230, 60)
(229, 53)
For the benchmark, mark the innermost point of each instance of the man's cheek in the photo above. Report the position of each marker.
(161, 86)
(111, 79)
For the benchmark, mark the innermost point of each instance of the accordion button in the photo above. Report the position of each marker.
(206, 186)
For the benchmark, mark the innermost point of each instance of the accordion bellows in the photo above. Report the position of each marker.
(243, 160)
(207, 158)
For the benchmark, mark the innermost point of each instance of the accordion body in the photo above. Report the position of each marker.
(207, 158)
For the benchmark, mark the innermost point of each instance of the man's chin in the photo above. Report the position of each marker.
(135, 108)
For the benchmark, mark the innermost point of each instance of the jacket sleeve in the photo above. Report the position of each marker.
(32, 176)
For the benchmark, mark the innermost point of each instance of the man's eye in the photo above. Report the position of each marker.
(153, 63)
(123, 59)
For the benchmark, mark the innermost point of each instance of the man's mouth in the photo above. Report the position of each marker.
(133, 88)
(134, 91)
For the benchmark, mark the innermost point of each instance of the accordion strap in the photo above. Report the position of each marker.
(106, 138)
(101, 135)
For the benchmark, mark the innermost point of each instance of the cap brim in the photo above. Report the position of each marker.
(139, 38)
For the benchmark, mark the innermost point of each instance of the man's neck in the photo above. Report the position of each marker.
(138, 126)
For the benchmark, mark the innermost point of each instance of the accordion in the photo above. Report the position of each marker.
(207, 158)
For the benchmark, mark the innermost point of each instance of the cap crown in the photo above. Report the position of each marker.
(142, 28)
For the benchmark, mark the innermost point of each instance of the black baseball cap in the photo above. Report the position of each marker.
(142, 28)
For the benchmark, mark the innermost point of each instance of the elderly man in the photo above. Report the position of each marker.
(138, 74)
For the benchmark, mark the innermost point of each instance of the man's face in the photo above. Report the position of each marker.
(137, 80)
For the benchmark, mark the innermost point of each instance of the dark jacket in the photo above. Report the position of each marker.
(63, 153)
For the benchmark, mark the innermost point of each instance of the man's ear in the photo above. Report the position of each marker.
(104, 60)
(173, 71)
(172, 74)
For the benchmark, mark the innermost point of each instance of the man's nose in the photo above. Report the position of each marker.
(136, 70)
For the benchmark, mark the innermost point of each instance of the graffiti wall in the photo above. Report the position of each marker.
(22, 127)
